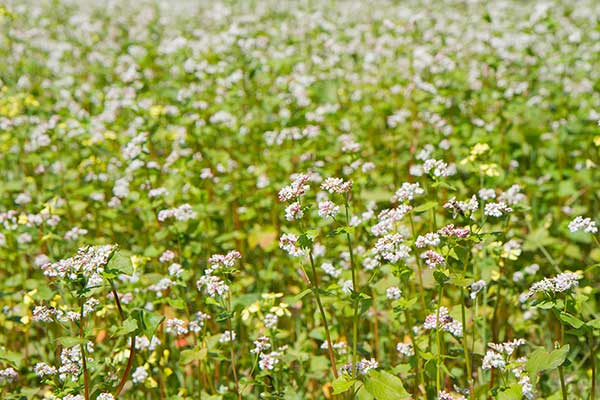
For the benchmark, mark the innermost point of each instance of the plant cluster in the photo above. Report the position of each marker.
(299, 200)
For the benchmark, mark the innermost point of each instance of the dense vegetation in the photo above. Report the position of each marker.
(299, 200)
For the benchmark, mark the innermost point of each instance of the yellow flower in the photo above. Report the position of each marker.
(251, 309)
(476, 151)
(490, 169)
(23, 219)
(271, 296)
(156, 111)
(31, 101)
(280, 310)
(28, 299)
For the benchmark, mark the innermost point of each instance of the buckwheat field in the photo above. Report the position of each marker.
(226, 200)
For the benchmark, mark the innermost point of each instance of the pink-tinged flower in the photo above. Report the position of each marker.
(293, 211)
(327, 209)
(297, 188)
(451, 230)
(336, 185)
(446, 322)
(289, 243)
(433, 259)
(214, 285)
(407, 192)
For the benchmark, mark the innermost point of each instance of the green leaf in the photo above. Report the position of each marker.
(70, 341)
(383, 385)
(129, 326)
(120, 263)
(147, 321)
(594, 324)
(460, 281)
(177, 303)
(440, 276)
(541, 360)
(189, 355)
(571, 320)
(514, 392)
(424, 207)
(11, 357)
(342, 384)
(305, 241)
(545, 304)
(443, 184)
(344, 229)
(300, 295)
(558, 357)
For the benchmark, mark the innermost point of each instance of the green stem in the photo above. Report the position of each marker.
(131, 346)
(563, 387)
(466, 346)
(355, 290)
(438, 370)
(315, 287)
(561, 374)
(232, 351)
(419, 377)
(419, 267)
(593, 362)
(86, 375)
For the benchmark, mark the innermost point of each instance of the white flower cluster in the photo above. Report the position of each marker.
(477, 287)
(341, 347)
(558, 284)
(393, 293)
(462, 207)
(407, 192)
(296, 189)
(406, 349)
(139, 375)
(443, 395)
(143, 343)
(336, 185)
(437, 168)
(430, 239)
(386, 220)
(391, 248)
(89, 262)
(227, 336)
(215, 286)
(362, 367)
(293, 211)
(8, 375)
(289, 243)
(328, 209)
(433, 258)
(182, 213)
(446, 322)
(176, 327)
(219, 261)
(497, 357)
(583, 224)
(330, 270)
(496, 209)
(71, 362)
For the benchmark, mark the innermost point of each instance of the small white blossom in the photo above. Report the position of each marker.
(393, 293)
(583, 224)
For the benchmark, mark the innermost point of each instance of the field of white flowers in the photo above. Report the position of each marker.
(373, 200)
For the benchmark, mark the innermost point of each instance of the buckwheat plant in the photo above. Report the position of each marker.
(382, 200)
